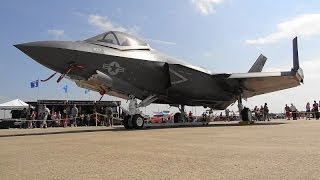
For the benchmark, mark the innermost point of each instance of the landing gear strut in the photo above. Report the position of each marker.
(134, 119)
(240, 106)
(244, 113)
(180, 117)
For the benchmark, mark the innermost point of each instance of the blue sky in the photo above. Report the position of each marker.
(220, 35)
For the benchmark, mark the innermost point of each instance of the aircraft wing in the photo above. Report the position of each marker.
(257, 83)
(260, 83)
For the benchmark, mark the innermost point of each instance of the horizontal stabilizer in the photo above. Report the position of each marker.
(258, 65)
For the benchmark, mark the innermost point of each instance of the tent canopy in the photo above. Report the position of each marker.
(16, 104)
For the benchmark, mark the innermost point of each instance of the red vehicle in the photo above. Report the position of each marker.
(161, 117)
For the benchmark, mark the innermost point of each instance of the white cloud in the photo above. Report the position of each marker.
(303, 26)
(206, 7)
(57, 33)
(105, 24)
(208, 54)
(311, 71)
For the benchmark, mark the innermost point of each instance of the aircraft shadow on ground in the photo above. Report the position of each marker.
(73, 131)
(217, 125)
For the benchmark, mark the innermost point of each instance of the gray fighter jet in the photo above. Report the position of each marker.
(124, 66)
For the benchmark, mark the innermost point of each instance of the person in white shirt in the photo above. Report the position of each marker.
(74, 115)
(45, 114)
(293, 110)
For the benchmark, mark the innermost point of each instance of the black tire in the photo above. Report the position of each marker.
(246, 114)
(137, 121)
(176, 117)
(125, 122)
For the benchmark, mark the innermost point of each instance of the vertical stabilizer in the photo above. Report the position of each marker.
(296, 65)
(258, 65)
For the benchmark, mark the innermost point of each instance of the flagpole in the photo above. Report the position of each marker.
(67, 92)
(38, 90)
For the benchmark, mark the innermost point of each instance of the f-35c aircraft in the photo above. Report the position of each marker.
(124, 66)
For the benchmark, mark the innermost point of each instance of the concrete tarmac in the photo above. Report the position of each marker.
(269, 150)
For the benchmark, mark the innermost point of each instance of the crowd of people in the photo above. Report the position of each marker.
(105, 115)
(262, 113)
(72, 117)
(310, 112)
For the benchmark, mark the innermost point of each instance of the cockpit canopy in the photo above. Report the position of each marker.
(119, 40)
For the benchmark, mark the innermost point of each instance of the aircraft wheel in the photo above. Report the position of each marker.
(126, 123)
(137, 121)
(246, 114)
(176, 117)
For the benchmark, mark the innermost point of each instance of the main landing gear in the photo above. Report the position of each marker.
(181, 116)
(134, 119)
(244, 113)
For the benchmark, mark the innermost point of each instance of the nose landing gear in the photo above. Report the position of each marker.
(134, 119)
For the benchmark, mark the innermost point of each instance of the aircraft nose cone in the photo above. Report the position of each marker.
(19, 46)
(27, 48)
(52, 54)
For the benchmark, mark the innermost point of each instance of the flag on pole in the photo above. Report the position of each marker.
(86, 91)
(34, 84)
(65, 88)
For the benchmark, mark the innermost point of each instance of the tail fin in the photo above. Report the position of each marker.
(258, 65)
(295, 54)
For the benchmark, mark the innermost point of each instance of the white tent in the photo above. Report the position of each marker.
(16, 104)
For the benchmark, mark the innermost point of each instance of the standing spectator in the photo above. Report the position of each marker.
(256, 113)
(293, 111)
(32, 118)
(45, 115)
(315, 110)
(262, 117)
(53, 118)
(74, 115)
(24, 115)
(227, 111)
(87, 120)
(308, 108)
(58, 117)
(82, 119)
(204, 117)
(190, 116)
(65, 117)
(266, 112)
(287, 111)
(109, 116)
